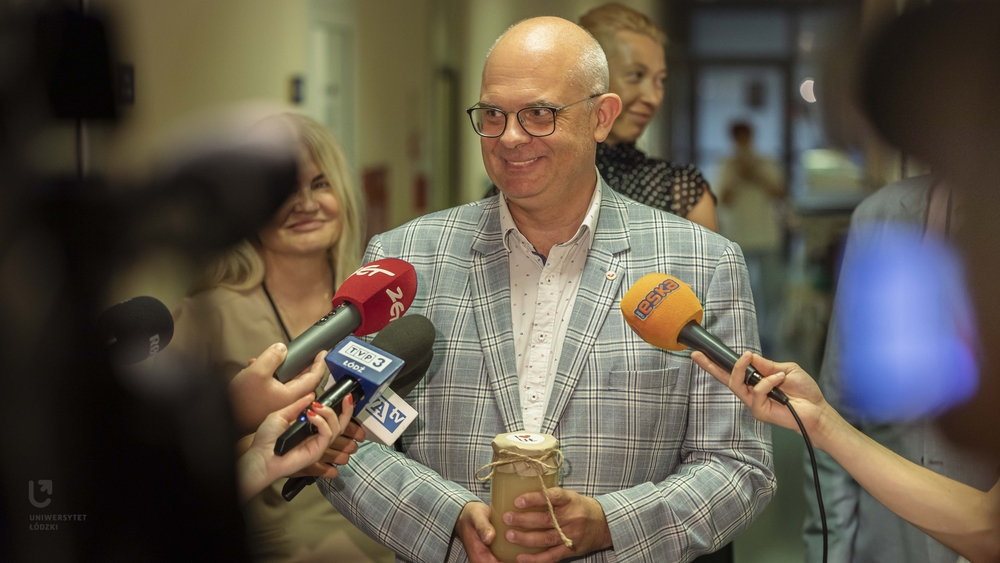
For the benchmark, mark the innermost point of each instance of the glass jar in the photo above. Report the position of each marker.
(513, 479)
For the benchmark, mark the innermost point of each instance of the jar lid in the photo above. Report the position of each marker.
(525, 443)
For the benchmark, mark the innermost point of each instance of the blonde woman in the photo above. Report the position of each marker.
(270, 290)
(637, 66)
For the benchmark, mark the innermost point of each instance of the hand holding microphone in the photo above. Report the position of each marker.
(259, 467)
(803, 393)
(665, 312)
(254, 393)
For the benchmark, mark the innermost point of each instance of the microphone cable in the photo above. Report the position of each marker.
(812, 459)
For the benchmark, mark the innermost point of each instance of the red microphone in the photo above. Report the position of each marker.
(366, 302)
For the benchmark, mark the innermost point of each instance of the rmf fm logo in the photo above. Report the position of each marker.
(654, 297)
(46, 486)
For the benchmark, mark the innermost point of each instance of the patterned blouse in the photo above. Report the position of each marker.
(654, 182)
(657, 183)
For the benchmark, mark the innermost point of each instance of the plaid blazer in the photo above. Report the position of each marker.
(678, 464)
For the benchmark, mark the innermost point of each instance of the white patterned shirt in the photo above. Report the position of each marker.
(542, 292)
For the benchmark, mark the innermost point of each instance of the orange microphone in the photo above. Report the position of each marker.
(665, 312)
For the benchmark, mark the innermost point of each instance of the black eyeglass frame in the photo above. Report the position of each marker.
(555, 113)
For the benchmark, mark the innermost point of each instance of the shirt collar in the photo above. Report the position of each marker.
(584, 234)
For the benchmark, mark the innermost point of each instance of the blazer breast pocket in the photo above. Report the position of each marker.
(665, 378)
(652, 408)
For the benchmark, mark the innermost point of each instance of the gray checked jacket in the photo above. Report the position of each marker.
(678, 464)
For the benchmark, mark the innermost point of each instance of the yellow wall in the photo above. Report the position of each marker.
(393, 102)
(193, 55)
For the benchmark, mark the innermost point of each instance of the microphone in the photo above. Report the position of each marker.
(365, 303)
(665, 312)
(135, 330)
(411, 339)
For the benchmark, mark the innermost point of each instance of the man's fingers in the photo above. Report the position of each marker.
(738, 375)
(529, 520)
(344, 444)
(546, 538)
(335, 457)
(553, 555)
(355, 432)
(557, 495)
(481, 522)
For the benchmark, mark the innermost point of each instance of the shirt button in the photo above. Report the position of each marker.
(548, 280)
(541, 337)
(533, 397)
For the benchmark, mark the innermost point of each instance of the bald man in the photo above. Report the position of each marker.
(662, 463)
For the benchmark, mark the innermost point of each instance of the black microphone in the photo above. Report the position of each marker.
(135, 330)
(665, 312)
(411, 338)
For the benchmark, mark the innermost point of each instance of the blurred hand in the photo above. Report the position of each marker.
(801, 388)
(476, 533)
(254, 393)
(259, 466)
(580, 517)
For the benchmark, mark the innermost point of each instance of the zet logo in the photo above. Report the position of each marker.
(46, 487)
(372, 269)
(397, 309)
(654, 298)
(387, 414)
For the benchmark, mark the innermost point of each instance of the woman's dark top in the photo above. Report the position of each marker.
(657, 183)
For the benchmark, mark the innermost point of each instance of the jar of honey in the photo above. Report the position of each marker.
(522, 463)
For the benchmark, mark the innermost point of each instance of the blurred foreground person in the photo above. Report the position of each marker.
(963, 518)
(271, 290)
(861, 529)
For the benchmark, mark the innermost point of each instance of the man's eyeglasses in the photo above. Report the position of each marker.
(537, 121)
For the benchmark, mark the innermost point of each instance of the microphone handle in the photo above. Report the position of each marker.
(335, 326)
(697, 338)
(302, 429)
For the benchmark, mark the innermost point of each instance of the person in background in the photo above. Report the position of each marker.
(634, 48)
(270, 290)
(750, 186)
(637, 65)
(861, 528)
(958, 516)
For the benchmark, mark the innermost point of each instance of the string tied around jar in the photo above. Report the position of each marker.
(541, 466)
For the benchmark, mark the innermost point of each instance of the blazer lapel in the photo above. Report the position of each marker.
(490, 292)
(598, 292)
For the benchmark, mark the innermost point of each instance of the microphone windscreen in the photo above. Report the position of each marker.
(658, 306)
(382, 291)
(410, 339)
(136, 329)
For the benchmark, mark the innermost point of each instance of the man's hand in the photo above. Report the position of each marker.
(254, 393)
(581, 519)
(476, 533)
